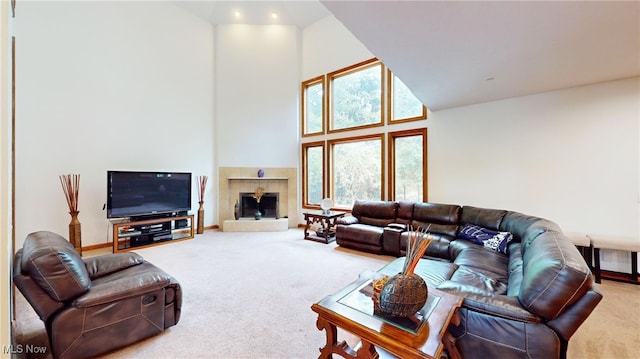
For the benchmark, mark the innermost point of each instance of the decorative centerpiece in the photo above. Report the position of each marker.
(71, 188)
(202, 184)
(326, 205)
(405, 293)
(259, 192)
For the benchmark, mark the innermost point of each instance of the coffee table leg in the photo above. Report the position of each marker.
(343, 349)
(367, 350)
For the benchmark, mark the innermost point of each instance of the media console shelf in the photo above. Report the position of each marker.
(151, 232)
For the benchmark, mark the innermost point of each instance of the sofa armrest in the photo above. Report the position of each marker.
(130, 282)
(347, 220)
(495, 305)
(391, 240)
(100, 266)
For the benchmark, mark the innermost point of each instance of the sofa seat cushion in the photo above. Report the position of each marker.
(433, 272)
(474, 281)
(361, 233)
(485, 260)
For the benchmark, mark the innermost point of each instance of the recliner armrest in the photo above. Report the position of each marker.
(347, 220)
(100, 266)
(126, 283)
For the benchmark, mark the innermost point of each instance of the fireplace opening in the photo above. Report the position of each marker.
(268, 205)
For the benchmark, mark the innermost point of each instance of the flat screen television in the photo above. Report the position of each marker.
(147, 194)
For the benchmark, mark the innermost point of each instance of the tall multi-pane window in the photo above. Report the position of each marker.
(408, 170)
(313, 106)
(404, 106)
(363, 137)
(356, 167)
(355, 96)
(313, 177)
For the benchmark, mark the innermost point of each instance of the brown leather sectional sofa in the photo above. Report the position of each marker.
(525, 303)
(95, 305)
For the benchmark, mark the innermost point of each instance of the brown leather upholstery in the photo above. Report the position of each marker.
(96, 305)
(523, 304)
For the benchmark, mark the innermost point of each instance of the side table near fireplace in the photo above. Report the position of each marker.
(326, 232)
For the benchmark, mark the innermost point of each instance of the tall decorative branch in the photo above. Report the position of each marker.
(71, 187)
(202, 185)
(417, 244)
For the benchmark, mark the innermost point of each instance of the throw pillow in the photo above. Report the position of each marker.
(488, 238)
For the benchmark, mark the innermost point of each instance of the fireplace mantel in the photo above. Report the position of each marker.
(258, 178)
(233, 180)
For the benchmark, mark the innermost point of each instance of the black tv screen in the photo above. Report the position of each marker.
(141, 194)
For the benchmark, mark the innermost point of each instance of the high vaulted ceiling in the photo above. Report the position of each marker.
(452, 53)
(300, 13)
(456, 53)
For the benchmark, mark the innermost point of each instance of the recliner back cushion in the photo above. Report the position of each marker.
(483, 217)
(554, 275)
(54, 265)
(443, 218)
(375, 213)
(405, 212)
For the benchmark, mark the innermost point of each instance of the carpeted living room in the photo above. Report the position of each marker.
(530, 107)
(248, 295)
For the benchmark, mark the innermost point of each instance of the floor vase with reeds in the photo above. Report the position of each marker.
(75, 233)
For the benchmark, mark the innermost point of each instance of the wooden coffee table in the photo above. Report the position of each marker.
(424, 335)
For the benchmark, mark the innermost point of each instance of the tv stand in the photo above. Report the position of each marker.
(151, 232)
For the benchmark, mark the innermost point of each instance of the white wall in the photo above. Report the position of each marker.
(568, 155)
(329, 46)
(571, 156)
(107, 85)
(257, 76)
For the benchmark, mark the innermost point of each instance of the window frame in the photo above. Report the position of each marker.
(303, 105)
(305, 170)
(348, 71)
(390, 119)
(331, 162)
(392, 136)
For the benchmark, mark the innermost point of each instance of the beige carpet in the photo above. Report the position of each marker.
(248, 295)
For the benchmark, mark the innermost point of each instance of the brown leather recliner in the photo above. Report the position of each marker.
(95, 305)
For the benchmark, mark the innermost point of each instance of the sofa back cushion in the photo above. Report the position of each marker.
(375, 213)
(443, 218)
(405, 212)
(554, 275)
(526, 228)
(54, 265)
(483, 217)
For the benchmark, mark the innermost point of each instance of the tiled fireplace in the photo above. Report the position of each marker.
(277, 205)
